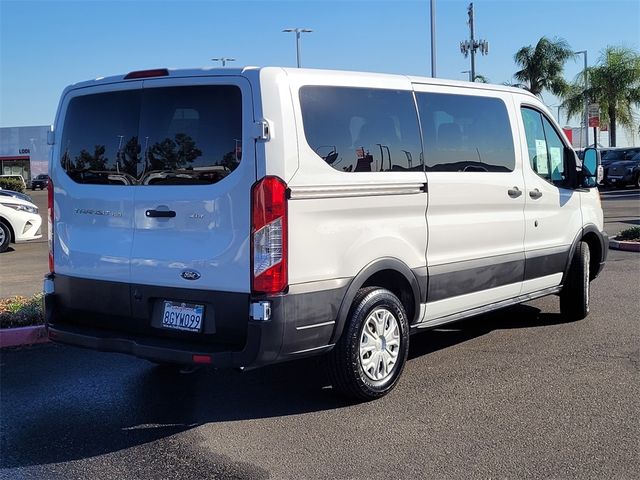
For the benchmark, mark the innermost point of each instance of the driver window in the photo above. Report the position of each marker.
(556, 152)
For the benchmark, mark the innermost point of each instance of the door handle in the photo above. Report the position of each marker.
(514, 192)
(160, 213)
(535, 193)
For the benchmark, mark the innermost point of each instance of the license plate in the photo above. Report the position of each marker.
(182, 316)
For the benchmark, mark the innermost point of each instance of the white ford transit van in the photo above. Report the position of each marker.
(241, 217)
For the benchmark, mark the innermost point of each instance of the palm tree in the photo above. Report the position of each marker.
(542, 66)
(614, 84)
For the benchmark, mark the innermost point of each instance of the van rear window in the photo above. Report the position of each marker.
(154, 136)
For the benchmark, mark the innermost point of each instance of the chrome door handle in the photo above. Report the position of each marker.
(535, 193)
(514, 192)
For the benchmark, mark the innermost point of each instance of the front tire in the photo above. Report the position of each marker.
(5, 237)
(368, 360)
(574, 297)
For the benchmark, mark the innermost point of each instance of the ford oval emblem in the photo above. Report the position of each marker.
(190, 275)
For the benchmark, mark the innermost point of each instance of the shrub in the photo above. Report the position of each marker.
(19, 311)
(11, 184)
(630, 234)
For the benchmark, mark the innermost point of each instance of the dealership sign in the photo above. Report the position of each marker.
(594, 115)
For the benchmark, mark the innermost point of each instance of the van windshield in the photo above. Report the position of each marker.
(155, 136)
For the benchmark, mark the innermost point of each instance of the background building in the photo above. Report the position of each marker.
(24, 151)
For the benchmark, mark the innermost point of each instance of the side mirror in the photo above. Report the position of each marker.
(592, 173)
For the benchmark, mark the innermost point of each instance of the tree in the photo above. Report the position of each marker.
(542, 66)
(173, 154)
(96, 161)
(129, 156)
(481, 79)
(614, 84)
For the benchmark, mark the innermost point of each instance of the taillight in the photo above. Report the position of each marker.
(50, 222)
(269, 236)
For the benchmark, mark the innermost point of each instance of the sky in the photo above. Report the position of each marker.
(47, 45)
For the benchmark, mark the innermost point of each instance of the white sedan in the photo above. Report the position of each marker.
(19, 221)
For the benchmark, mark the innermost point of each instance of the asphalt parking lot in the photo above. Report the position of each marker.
(520, 393)
(516, 394)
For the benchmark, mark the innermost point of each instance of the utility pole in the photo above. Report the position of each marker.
(298, 31)
(472, 45)
(223, 60)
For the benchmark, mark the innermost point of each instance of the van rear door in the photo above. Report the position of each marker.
(192, 201)
(94, 175)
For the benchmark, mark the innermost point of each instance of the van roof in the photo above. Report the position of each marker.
(309, 72)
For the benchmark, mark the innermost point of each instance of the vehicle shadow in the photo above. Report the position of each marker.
(518, 316)
(90, 403)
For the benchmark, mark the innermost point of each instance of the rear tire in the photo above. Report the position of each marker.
(5, 237)
(574, 297)
(368, 360)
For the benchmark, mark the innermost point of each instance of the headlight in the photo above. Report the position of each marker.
(21, 208)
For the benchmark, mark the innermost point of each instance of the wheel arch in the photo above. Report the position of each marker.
(389, 273)
(598, 248)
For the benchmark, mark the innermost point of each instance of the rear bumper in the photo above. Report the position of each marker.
(166, 352)
(620, 179)
(118, 317)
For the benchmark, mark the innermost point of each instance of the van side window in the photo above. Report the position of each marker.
(545, 147)
(362, 129)
(465, 133)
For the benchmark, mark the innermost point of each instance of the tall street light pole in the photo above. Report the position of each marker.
(586, 101)
(223, 60)
(433, 38)
(298, 31)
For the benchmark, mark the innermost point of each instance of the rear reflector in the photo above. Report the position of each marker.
(201, 359)
(158, 72)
